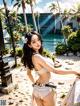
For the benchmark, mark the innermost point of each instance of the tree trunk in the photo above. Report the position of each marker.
(1, 37)
(10, 29)
(25, 18)
(61, 22)
(33, 16)
(55, 23)
(60, 14)
(38, 23)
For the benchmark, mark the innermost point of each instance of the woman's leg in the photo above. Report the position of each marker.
(50, 99)
(37, 101)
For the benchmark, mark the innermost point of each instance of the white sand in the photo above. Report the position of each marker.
(22, 95)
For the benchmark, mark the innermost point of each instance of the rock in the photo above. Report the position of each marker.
(63, 95)
(26, 98)
(67, 68)
(61, 83)
(16, 95)
(20, 100)
(69, 62)
(9, 98)
(10, 103)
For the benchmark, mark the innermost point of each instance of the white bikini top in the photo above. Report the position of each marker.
(46, 59)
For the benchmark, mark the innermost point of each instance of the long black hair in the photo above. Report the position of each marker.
(28, 52)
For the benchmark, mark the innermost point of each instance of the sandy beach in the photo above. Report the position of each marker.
(21, 96)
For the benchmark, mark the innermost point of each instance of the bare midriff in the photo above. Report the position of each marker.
(43, 78)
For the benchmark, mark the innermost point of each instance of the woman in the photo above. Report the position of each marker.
(33, 59)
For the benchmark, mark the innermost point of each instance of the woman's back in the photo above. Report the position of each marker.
(42, 71)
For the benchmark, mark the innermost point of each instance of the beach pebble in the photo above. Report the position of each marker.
(10, 103)
(20, 100)
(60, 83)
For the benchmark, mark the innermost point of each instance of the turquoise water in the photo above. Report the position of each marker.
(50, 41)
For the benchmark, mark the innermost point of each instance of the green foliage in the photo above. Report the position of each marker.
(17, 36)
(5, 51)
(72, 38)
(76, 47)
(74, 41)
(18, 52)
(48, 54)
(61, 49)
(66, 30)
(12, 53)
(78, 33)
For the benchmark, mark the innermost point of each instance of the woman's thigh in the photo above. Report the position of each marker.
(50, 99)
(37, 101)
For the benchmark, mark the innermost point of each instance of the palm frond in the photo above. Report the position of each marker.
(15, 4)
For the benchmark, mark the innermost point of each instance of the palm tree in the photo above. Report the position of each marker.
(10, 29)
(22, 3)
(66, 30)
(62, 17)
(37, 15)
(53, 7)
(60, 13)
(33, 16)
(76, 13)
(65, 14)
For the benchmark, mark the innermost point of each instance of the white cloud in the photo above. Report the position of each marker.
(63, 4)
(67, 4)
(37, 9)
(9, 7)
(38, 1)
(27, 10)
(45, 9)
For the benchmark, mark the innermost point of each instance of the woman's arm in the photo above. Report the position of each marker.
(29, 74)
(63, 72)
(38, 59)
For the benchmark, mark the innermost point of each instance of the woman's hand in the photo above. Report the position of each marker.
(77, 73)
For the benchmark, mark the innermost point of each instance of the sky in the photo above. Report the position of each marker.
(42, 6)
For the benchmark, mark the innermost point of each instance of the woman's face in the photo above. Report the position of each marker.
(35, 43)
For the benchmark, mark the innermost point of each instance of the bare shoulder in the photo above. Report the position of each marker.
(36, 57)
(39, 60)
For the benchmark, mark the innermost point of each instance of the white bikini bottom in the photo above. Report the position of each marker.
(41, 91)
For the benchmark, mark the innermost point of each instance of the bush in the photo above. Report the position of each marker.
(5, 51)
(71, 39)
(61, 49)
(78, 33)
(74, 41)
(18, 52)
(48, 54)
(66, 30)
